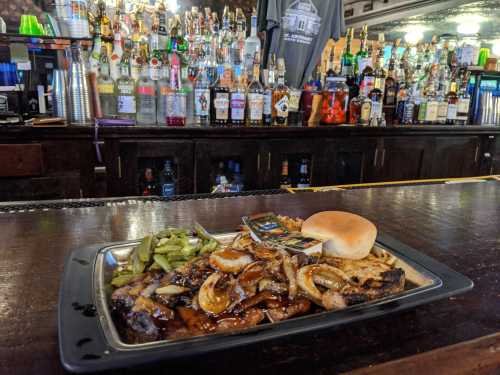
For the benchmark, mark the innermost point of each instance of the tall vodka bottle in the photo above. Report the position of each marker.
(202, 98)
(105, 87)
(176, 98)
(162, 92)
(125, 92)
(116, 57)
(146, 99)
(252, 44)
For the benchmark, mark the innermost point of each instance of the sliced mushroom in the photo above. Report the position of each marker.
(171, 290)
(212, 299)
(326, 275)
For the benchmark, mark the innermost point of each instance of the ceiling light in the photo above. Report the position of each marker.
(495, 49)
(468, 24)
(413, 37)
(172, 5)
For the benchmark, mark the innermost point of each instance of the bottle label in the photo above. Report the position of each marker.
(390, 96)
(442, 111)
(380, 83)
(105, 88)
(409, 107)
(126, 104)
(114, 67)
(268, 103)
(463, 106)
(281, 106)
(255, 106)
(146, 90)
(366, 109)
(422, 111)
(452, 112)
(201, 102)
(126, 89)
(432, 111)
(155, 69)
(176, 104)
(168, 189)
(221, 104)
(227, 77)
(135, 70)
(237, 106)
(376, 111)
(369, 84)
(347, 71)
(294, 100)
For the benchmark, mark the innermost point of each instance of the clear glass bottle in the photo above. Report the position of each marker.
(252, 43)
(255, 99)
(146, 99)
(135, 61)
(125, 92)
(188, 89)
(163, 88)
(116, 57)
(237, 100)
(176, 97)
(105, 87)
(281, 96)
(202, 98)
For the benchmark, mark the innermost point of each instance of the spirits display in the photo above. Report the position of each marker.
(304, 179)
(285, 181)
(191, 69)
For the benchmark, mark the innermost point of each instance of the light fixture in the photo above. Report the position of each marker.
(414, 33)
(468, 24)
(172, 6)
(495, 48)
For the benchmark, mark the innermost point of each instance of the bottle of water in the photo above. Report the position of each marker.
(167, 180)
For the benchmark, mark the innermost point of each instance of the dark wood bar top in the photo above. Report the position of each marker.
(241, 132)
(457, 224)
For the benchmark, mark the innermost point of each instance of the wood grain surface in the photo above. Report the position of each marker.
(458, 225)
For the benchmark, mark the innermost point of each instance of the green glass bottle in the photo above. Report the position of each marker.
(347, 60)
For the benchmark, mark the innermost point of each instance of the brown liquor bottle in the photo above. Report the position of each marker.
(281, 96)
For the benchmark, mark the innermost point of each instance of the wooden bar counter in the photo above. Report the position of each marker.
(457, 224)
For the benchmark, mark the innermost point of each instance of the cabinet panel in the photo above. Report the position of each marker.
(455, 157)
(134, 157)
(403, 158)
(350, 161)
(213, 157)
(294, 151)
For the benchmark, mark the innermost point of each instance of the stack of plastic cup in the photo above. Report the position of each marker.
(30, 26)
(8, 74)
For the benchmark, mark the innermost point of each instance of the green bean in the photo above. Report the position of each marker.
(122, 280)
(144, 249)
(163, 262)
(167, 248)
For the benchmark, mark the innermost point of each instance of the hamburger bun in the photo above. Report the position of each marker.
(346, 235)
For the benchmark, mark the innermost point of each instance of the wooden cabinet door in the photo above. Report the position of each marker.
(349, 161)
(135, 156)
(455, 156)
(403, 158)
(210, 154)
(294, 151)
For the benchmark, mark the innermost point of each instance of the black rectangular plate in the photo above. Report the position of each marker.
(84, 348)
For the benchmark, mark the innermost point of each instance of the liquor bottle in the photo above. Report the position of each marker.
(255, 100)
(442, 108)
(347, 64)
(281, 97)
(431, 114)
(367, 76)
(252, 43)
(116, 56)
(167, 180)
(135, 61)
(422, 108)
(409, 108)
(390, 82)
(96, 51)
(125, 91)
(379, 71)
(162, 25)
(463, 107)
(452, 99)
(267, 97)
(360, 109)
(104, 21)
(285, 181)
(155, 60)
(220, 180)
(444, 73)
(304, 180)
(176, 97)
(237, 100)
(361, 55)
(162, 92)
(187, 88)
(376, 98)
(146, 100)
(221, 91)
(202, 98)
(236, 43)
(105, 86)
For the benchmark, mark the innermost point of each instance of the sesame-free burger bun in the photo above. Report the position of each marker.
(346, 235)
